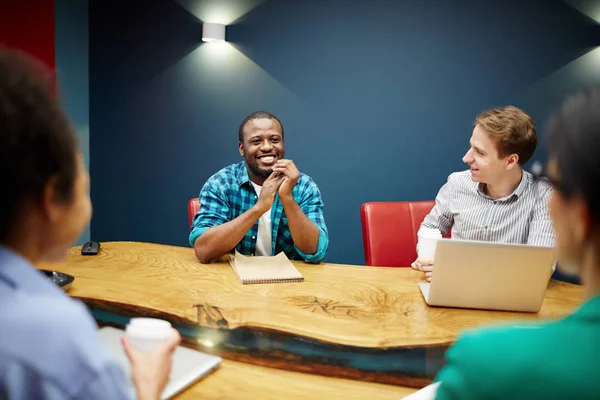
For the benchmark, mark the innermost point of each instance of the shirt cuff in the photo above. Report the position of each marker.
(322, 245)
(196, 232)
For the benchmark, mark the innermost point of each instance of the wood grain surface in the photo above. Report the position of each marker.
(365, 323)
(235, 380)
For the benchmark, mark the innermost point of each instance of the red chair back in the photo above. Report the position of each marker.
(390, 231)
(193, 207)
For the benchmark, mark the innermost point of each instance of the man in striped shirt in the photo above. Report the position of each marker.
(495, 200)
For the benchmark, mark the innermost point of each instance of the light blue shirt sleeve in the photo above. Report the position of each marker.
(24, 382)
(49, 349)
(110, 383)
(49, 345)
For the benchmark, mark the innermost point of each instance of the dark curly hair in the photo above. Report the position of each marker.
(257, 115)
(37, 142)
(574, 142)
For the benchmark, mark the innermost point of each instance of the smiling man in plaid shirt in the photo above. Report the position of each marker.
(262, 205)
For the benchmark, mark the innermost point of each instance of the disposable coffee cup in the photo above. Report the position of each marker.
(428, 238)
(147, 333)
(149, 323)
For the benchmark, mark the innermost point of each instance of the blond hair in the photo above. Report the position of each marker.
(512, 128)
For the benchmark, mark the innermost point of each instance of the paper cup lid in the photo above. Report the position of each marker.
(156, 333)
(149, 323)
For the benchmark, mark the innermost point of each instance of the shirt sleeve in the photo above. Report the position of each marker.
(440, 217)
(110, 383)
(214, 209)
(541, 231)
(22, 383)
(460, 378)
(312, 206)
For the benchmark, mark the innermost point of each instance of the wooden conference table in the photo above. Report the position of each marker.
(345, 332)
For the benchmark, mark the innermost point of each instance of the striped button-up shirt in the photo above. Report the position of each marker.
(228, 194)
(521, 217)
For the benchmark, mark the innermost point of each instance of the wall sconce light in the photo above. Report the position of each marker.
(212, 32)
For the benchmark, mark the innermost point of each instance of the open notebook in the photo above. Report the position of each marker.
(261, 269)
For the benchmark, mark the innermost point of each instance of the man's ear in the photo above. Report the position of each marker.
(241, 148)
(512, 161)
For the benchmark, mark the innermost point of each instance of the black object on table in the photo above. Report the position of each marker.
(90, 248)
(62, 280)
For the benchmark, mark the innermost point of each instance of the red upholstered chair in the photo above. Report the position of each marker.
(390, 231)
(193, 207)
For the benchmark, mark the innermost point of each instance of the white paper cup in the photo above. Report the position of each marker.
(152, 323)
(147, 333)
(428, 238)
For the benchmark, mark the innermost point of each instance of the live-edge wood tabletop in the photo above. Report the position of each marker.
(345, 332)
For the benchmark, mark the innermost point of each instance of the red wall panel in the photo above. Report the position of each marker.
(29, 25)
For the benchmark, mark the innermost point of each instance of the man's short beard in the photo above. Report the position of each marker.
(264, 173)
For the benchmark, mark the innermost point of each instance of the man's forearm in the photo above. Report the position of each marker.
(218, 240)
(305, 233)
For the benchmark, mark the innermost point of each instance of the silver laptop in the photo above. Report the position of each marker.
(491, 276)
(188, 365)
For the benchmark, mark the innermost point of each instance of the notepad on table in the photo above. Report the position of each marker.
(260, 269)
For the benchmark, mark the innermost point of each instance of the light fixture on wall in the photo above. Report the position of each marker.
(212, 32)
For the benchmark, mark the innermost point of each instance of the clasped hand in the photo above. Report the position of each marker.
(282, 180)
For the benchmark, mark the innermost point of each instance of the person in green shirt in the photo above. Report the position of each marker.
(556, 359)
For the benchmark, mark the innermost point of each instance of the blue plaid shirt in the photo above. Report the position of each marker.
(229, 193)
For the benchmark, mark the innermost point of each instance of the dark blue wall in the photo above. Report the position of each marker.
(72, 56)
(377, 98)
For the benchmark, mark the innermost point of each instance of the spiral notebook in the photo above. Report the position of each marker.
(260, 269)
